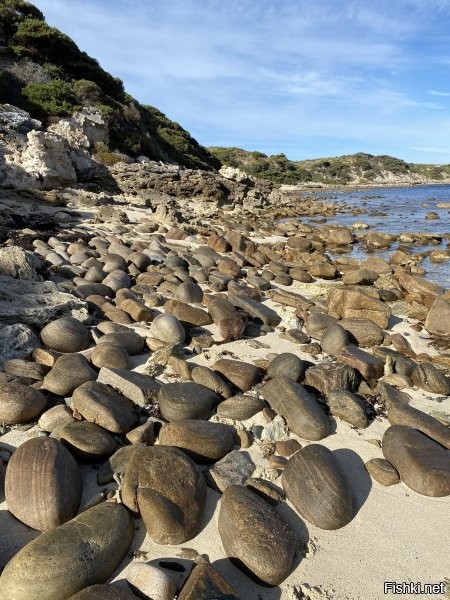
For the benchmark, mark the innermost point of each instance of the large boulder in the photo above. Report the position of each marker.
(169, 491)
(255, 536)
(298, 407)
(353, 303)
(438, 319)
(315, 485)
(59, 563)
(43, 484)
(421, 463)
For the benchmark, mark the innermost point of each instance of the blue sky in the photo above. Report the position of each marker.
(308, 78)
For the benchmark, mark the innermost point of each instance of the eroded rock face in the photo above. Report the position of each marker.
(169, 491)
(255, 536)
(36, 303)
(46, 158)
(18, 341)
(43, 484)
(64, 561)
(314, 483)
(18, 263)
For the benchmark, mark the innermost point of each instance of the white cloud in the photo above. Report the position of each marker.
(438, 93)
(292, 76)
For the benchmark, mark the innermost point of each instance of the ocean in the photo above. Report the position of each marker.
(398, 210)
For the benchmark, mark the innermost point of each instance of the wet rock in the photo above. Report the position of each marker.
(298, 407)
(187, 400)
(137, 387)
(64, 561)
(169, 491)
(205, 582)
(100, 404)
(234, 469)
(87, 441)
(241, 374)
(286, 365)
(255, 536)
(422, 464)
(382, 471)
(201, 440)
(315, 485)
(20, 403)
(240, 407)
(348, 407)
(65, 335)
(431, 379)
(69, 372)
(43, 484)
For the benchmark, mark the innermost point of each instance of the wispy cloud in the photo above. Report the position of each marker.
(438, 93)
(294, 76)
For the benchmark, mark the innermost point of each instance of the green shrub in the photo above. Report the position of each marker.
(54, 98)
(13, 12)
(86, 91)
(104, 155)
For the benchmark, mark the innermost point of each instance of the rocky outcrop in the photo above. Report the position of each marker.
(61, 156)
(36, 303)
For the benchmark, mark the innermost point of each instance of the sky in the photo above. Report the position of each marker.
(307, 78)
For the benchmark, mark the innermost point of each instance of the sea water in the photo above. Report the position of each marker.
(398, 210)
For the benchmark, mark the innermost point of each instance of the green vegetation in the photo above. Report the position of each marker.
(54, 98)
(343, 170)
(50, 77)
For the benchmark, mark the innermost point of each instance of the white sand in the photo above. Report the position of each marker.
(395, 535)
